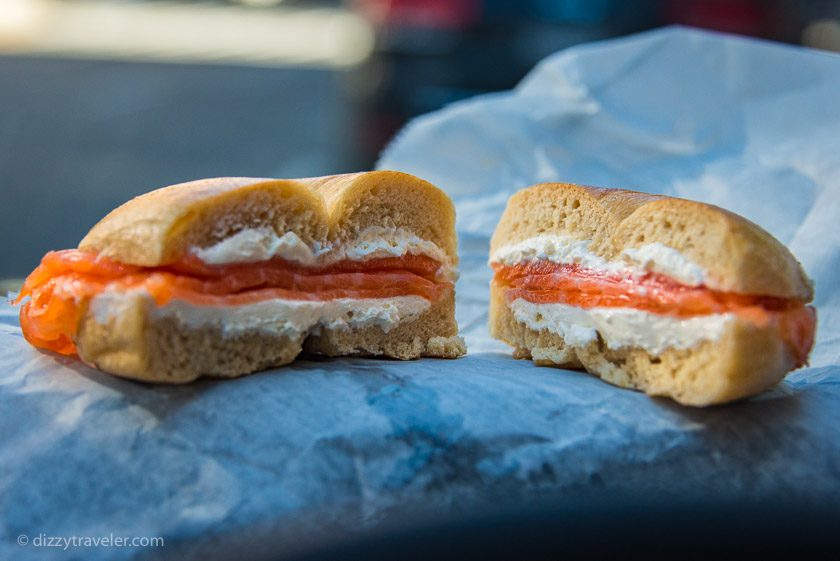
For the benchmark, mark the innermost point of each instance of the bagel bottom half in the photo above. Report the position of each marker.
(745, 360)
(139, 344)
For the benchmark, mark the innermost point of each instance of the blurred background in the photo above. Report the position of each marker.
(101, 100)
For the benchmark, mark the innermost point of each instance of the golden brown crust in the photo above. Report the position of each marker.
(159, 227)
(746, 360)
(737, 255)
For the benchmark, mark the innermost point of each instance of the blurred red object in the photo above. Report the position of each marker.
(744, 17)
(436, 14)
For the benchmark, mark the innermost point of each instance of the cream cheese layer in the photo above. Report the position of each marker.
(286, 317)
(652, 257)
(620, 327)
(260, 244)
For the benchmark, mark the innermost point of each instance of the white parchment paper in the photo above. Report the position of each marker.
(216, 466)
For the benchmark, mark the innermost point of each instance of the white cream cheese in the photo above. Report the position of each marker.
(260, 244)
(554, 248)
(659, 258)
(252, 245)
(652, 257)
(286, 317)
(620, 327)
(376, 242)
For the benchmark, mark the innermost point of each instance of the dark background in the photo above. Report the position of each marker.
(81, 134)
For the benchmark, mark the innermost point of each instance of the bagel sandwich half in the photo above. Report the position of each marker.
(672, 297)
(227, 276)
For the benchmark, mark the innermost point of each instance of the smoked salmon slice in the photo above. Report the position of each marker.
(60, 288)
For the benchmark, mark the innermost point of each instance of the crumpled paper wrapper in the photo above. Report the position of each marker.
(326, 444)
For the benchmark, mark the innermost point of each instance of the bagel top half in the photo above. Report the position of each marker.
(736, 255)
(162, 226)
